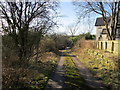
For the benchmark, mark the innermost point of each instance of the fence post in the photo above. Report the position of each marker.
(105, 45)
(112, 46)
(101, 45)
(97, 44)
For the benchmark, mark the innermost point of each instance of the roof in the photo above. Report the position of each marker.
(100, 22)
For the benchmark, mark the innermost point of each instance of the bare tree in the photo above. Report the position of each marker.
(40, 29)
(73, 29)
(20, 15)
(90, 26)
(105, 9)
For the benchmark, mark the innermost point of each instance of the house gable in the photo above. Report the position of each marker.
(100, 22)
(101, 32)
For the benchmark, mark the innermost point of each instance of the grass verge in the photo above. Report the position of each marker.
(72, 76)
(35, 76)
(44, 69)
(103, 65)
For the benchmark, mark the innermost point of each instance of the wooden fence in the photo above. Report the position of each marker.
(111, 46)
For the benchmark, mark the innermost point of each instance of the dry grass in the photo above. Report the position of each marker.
(103, 65)
(34, 76)
(85, 44)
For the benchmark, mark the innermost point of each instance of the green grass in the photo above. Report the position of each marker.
(102, 65)
(72, 76)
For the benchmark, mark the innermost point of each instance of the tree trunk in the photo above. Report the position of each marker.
(105, 20)
(106, 24)
(37, 45)
(23, 48)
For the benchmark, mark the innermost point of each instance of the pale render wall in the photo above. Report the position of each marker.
(111, 46)
(99, 30)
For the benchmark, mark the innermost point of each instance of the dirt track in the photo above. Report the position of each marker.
(57, 78)
(92, 82)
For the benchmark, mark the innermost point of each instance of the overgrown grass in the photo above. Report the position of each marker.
(35, 76)
(72, 76)
(104, 66)
(44, 69)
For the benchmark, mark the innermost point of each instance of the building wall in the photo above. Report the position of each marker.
(104, 37)
(98, 32)
(111, 46)
(118, 28)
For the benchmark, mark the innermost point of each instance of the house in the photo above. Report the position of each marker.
(101, 32)
(118, 25)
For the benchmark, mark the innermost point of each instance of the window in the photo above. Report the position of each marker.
(104, 31)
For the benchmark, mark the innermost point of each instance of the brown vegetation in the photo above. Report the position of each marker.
(85, 44)
(35, 72)
(103, 65)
